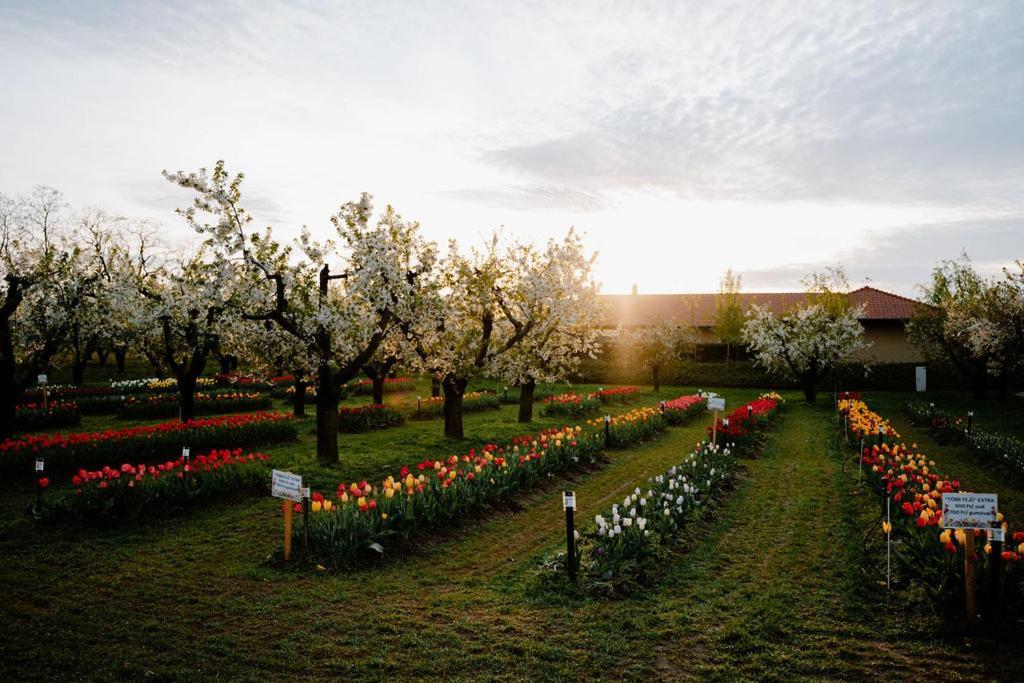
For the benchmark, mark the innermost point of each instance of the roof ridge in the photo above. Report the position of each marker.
(886, 292)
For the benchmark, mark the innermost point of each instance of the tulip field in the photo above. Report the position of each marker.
(761, 556)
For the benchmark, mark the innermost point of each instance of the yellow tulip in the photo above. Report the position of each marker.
(886, 527)
(384, 515)
(316, 506)
(961, 537)
(944, 537)
(328, 505)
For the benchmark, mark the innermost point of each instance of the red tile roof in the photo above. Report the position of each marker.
(631, 310)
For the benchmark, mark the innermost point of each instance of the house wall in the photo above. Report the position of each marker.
(889, 343)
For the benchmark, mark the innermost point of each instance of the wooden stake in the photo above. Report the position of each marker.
(287, 530)
(969, 582)
(714, 429)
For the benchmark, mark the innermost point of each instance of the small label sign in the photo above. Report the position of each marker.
(40, 465)
(568, 500)
(41, 379)
(286, 485)
(184, 453)
(998, 535)
(969, 510)
(716, 403)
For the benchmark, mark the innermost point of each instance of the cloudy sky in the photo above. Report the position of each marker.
(681, 138)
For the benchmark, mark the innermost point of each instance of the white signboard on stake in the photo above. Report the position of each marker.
(716, 403)
(969, 510)
(286, 485)
(568, 500)
(921, 378)
(41, 379)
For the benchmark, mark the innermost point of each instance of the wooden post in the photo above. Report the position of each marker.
(995, 587)
(714, 429)
(969, 579)
(287, 530)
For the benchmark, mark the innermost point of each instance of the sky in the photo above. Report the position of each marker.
(681, 138)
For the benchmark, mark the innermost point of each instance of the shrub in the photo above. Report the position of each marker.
(144, 443)
(131, 490)
(367, 418)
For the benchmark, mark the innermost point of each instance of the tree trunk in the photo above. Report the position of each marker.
(979, 384)
(326, 417)
(119, 355)
(78, 369)
(435, 387)
(728, 349)
(453, 409)
(225, 364)
(378, 389)
(299, 398)
(1003, 386)
(8, 408)
(187, 396)
(526, 401)
(101, 357)
(810, 390)
(656, 370)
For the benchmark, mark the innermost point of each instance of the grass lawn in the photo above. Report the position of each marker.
(771, 587)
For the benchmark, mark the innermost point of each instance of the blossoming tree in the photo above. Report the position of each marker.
(809, 341)
(559, 299)
(45, 278)
(339, 326)
(655, 345)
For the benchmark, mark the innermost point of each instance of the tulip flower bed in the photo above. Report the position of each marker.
(744, 428)
(949, 428)
(241, 382)
(615, 395)
(864, 423)
(683, 409)
(472, 401)
(422, 498)
(635, 426)
(166, 405)
(570, 405)
(145, 443)
(924, 553)
(626, 544)
(30, 417)
(131, 490)
(367, 418)
(364, 387)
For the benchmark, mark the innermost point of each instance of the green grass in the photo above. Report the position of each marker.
(771, 587)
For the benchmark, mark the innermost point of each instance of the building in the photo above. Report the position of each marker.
(884, 319)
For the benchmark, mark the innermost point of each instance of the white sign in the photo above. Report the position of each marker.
(969, 510)
(921, 378)
(716, 404)
(39, 465)
(41, 379)
(568, 500)
(286, 485)
(184, 453)
(725, 422)
(998, 535)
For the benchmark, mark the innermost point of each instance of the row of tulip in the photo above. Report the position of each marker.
(927, 554)
(368, 418)
(625, 544)
(207, 403)
(71, 451)
(632, 427)
(362, 517)
(615, 394)
(683, 409)
(31, 417)
(950, 428)
(744, 427)
(111, 495)
(570, 404)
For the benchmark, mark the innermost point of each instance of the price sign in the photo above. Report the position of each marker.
(716, 403)
(40, 465)
(969, 510)
(286, 485)
(568, 500)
